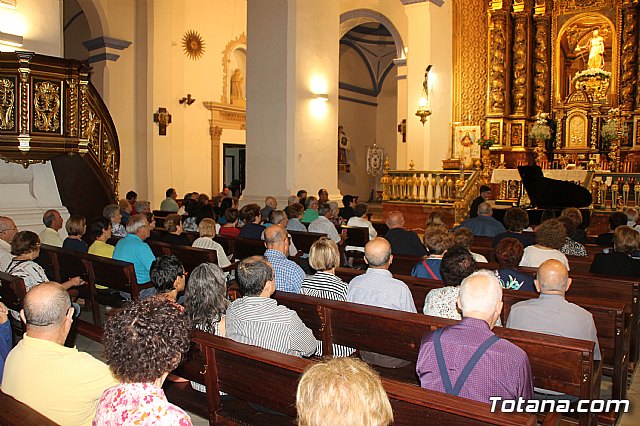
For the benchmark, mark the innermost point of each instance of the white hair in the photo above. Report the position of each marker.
(136, 222)
(480, 292)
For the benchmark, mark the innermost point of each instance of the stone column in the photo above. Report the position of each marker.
(216, 134)
(292, 57)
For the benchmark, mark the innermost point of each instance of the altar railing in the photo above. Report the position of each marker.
(437, 188)
(614, 191)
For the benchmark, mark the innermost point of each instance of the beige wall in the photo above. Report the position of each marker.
(39, 22)
(155, 72)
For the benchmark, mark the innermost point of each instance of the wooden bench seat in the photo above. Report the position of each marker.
(251, 374)
(270, 379)
(16, 413)
(557, 363)
(610, 317)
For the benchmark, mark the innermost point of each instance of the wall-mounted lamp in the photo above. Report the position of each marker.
(324, 97)
(11, 39)
(423, 104)
(188, 99)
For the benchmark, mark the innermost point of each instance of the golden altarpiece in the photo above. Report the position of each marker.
(575, 60)
(570, 63)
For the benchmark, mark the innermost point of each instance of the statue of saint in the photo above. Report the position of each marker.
(237, 97)
(596, 51)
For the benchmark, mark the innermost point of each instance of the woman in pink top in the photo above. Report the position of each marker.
(143, 343)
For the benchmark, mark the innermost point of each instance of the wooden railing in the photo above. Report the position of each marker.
(438, 188)
(614, 191)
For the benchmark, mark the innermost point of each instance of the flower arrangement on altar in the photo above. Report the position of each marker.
(540, 131)
(486, 142)
(591, 72)
(614, 128)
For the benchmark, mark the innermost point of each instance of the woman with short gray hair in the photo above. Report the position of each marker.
(112, 212)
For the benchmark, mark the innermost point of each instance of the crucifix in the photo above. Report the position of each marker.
(163, 118)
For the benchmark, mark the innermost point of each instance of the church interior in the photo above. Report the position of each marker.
(406, 105)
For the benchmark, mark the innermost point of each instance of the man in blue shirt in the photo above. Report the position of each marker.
(132, 248)
(483, 225)
(288, 274)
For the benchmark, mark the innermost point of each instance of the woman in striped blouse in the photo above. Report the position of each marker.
(324, 257)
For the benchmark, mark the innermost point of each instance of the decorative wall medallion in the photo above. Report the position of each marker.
(193, 45)
(7, 101)
(46, 103)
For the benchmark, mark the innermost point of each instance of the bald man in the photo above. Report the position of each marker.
(495, 366)
(7, 230)
(288, 275)
(403, 242)
(377, 287)
(59, 382)
(550, 313)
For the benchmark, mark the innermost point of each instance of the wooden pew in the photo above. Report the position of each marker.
(114, 274)
(613, 336)
(189, 256)
(241, 247)
(610, 314)
(12, 293)
(557, 363)
(304, 240)
(249, 373)
(16, 413)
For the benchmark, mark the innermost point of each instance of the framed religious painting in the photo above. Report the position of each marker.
(465, 145)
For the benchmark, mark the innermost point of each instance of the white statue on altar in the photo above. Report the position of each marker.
(596, 51)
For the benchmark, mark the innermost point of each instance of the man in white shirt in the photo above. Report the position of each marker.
(53, 222)
(324, 225)
(7, 230)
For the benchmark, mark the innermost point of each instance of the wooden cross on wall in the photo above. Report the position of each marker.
(163, 118)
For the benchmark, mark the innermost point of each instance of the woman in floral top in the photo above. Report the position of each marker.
(143, 342)
(457, 264)
(509, 252)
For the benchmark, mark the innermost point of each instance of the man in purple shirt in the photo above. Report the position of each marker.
(468, 359)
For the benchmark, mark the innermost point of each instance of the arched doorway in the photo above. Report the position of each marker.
(368, 96)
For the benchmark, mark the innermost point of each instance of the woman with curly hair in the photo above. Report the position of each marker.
(550, 237)
(437, 239)
(143, 343)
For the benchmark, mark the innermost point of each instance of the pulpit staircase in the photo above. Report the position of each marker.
(49, 111)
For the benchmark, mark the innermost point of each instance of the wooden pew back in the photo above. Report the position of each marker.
(189, 256)
(16, 413)
(557, 363)
(252, 374)
(304, 240)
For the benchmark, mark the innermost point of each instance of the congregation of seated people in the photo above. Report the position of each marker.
(461, 359)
